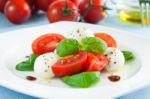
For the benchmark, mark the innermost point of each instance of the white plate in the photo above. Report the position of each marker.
(16, 44)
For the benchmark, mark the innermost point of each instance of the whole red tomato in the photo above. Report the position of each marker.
(77, 2)
(94, 14)
(43, 4)
(31, 3)
(17, 11)
(62, 10)
(32, 6)
(95, 2)
(2, 5)
(90, 10)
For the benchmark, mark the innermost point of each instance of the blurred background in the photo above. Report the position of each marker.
(125, 14)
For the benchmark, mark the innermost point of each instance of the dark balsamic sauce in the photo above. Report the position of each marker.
(31, 78)
(114, 78)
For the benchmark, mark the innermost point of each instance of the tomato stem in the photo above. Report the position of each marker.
(89, 7)
(67, 10)
(105, 7)
(87, 10)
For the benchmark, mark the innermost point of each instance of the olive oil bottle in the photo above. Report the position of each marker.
(130, 15)
(129, 11)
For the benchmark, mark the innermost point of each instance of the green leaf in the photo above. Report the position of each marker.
(93, 44)
(82, 80)
(27, 65)
(128, 55)
(67, 47)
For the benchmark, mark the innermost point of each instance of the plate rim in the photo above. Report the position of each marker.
(31, 94)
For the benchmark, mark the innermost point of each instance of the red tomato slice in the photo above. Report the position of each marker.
(70, 65)
(96, 62)
(111, 42)
(46, 43)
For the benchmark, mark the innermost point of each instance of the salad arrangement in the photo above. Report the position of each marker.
(77, 59)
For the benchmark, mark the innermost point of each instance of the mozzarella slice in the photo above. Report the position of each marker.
(42, 65)
(80, 33)
(116, 59)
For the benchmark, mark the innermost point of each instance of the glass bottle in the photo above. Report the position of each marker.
(128, 10)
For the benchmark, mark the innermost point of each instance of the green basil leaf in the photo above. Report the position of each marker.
(27, 65)
(82, 80)
(128, 55)
(93, 44)
(67, 47)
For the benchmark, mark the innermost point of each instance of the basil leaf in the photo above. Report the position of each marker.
(93, 44)
(82, 80)
(28, 64)
(67, 47)
(128, 55)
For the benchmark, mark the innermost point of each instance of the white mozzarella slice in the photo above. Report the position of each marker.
(116, 59)
(43, 63)
(80, 33)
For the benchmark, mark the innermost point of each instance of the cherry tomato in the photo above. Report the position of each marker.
(32, 6)
(111, 42)
(17, 11)
(98, 2)
(95, 2)
(94, 15)
(2, 5)
(70, 65)
(46, 43)
(96, 62)
(91, 10)
(76, 2)
(30, 2)
(43, 4)
(62, 10)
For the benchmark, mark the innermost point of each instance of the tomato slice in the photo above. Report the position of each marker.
(111, 42)
(96, 62)
(70, 65)
(46, 43)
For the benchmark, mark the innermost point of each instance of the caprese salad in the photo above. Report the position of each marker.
(76, 59)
